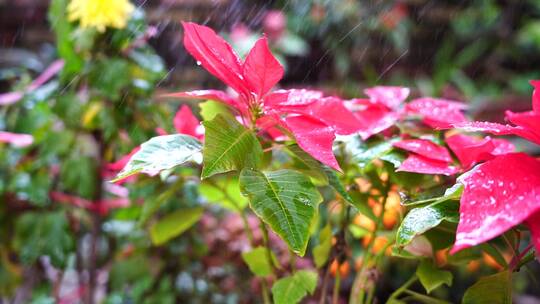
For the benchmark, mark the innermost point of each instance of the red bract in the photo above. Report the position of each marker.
(471, 150)
(437, 113)
(380, 111)
(102, 207)
(186, 123)
(426, 157)
(425, 148)
(526, 124)
(17, 140)
(498, 195)
(295, 110)
(420, 164)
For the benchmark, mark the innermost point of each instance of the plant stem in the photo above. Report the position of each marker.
(266, 295)
(337, 284)
(358, 288)
(403, 287)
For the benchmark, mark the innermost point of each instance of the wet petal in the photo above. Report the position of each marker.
(262, 71)
(529, 121)
(293, 97)
(497, 196)
(391, 97)
(437, 113)
(419, 164)
(314, 137)
(375, 119)
(425, 148)
(215, 55)
(534, 225)
(471, 150)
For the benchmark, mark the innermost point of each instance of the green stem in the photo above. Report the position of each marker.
(337, 284)
(403, 287)
(358, 289)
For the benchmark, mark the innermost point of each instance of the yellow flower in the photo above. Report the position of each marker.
(100, 14)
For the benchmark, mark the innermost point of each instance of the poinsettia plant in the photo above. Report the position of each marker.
(327, 174)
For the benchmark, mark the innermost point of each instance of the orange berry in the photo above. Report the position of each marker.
(379, 244)
(441, 257)
(390, 219)
(344, 268)
(364, 222)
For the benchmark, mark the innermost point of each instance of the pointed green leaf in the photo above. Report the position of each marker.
(228, 146)
(306, 163)
(293, 289)
(286, 200)
(161, 153)
(432, 277)
(420, 220)
(211, 108)
(257, 261)
(494, 289)
(174, 224)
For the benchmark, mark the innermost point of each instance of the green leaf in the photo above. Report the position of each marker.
(228, 146)
(174, 224)
(210, 109)
(224, 192)
(257, 261)
(284, 199)
(322, 251)
(364, 153)
(38, 234)
(293, 289)
(452, 193)
(161, 153)
(494, 289)
(432, 277)
(420, 220)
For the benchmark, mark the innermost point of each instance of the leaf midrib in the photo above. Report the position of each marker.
(235, 142)
(281, 204)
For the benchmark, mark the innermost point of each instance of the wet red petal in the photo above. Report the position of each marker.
(502, 146)
(497, 129)
(498, 195)
(294, 97)
(437, 113)
(425, 148)
(331, 111)
(262, 71)
(375, 119)
(391, 97)
(529, 121)
(419, 164)
(186, 123)
(215, 55)
(314, 137)
(15, 139)
(471, 150)
(534, 225)
(216, 95)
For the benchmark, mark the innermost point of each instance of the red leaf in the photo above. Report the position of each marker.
(314, 137)
(332, 112)
(17, 140)
(536, 95)
(497, 129)
(391, 97)
(122, 162)
(216, 95)
(186, 123)
(419, 164)
(215, 55)
(293, 97)
(534, 225)
(437, 113)
(471, 150)
(529, 121)
(498, 195)
(262, 71)
(374, 119)
(425, 148)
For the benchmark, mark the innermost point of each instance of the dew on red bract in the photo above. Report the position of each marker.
(419, 164)
(425, 148)
(497, 196)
